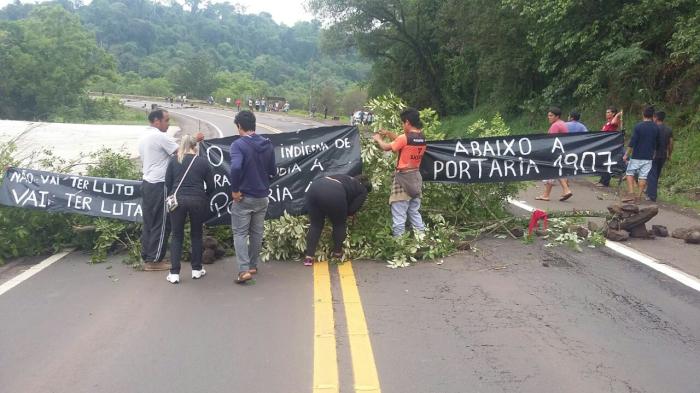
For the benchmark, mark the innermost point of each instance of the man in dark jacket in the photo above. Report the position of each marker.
(252, 168)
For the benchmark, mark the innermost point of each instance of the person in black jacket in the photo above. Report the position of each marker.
(335, 197)
(192, 198)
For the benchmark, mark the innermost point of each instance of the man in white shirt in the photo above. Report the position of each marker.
(155, 149)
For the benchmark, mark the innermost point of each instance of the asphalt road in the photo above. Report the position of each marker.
(217, 122)
(505, 317)
(495, 320)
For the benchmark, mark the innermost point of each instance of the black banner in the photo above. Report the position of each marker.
(305, 155)
(523, 157)
(301, 157)
(58, 193)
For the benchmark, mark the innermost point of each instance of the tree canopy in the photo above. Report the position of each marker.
(520, 55)
(172, 48)
(46, 60)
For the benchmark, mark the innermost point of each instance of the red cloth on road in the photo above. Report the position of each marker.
(537, 215)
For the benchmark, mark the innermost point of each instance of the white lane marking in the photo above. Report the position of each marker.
(32, 271)
(265, 126)
(221, 134)
(676, 274)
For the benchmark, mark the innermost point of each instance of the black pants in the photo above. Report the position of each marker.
(196, 208)
(653, 178)
(326, 198)
(605, 179)
(156, 223)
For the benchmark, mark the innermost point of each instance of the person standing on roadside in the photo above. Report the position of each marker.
(191, 179)
(574, 124)
(640, 154)
(238, 104)
(252, 168)
(406, 188)
(613, 122)
(155, 149)
(557, 126)
(663, 154)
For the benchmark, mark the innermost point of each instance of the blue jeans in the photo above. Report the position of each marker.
(400, 210)
(247, 219)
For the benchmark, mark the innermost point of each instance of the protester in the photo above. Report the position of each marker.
(557, 126)
(238, 104)
(613, 122)
(155, 149)
(252, 167)
(574, 124)
(186, 177)
(407, 183)
(336, 197)
(663, 153)
(640, 153)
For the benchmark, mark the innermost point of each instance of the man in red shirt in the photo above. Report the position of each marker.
(238, 104)
(407, 184)
(613, 122)
(557, 126)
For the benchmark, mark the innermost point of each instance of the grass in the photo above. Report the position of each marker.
(126, 116)
(457, 125)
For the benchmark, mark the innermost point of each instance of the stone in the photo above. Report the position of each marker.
(540, 232)
(219, 251)
(517, 232)
(593, 227)
(681, 233)
(208, 256)
(464, 246)
(582, 232)
(693, 237)
(659, 230)
(630, 208)
(615, 235)
(644, 214)
(640, 231)
(210, 242)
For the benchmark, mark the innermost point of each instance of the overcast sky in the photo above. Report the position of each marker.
(282, 11)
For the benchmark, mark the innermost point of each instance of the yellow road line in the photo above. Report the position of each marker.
(325, 357)
(270, 128)
(363, 366)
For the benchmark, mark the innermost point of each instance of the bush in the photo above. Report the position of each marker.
(450, 212)
(30, 232)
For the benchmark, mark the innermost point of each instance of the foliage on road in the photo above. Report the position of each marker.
(451, 212)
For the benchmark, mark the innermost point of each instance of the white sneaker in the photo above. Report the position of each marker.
(198, 273)
(173, 278)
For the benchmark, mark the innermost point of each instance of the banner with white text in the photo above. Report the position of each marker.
(523, 157)
(305, 155)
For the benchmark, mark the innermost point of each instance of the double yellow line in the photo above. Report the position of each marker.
(325, 355)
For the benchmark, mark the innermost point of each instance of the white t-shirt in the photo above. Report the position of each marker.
(155, 149)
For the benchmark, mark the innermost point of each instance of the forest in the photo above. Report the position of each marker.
(52, 52)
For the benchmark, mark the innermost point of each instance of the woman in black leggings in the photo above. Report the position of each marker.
(335, 197)
(193, 200)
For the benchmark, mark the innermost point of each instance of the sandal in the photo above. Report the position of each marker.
(566, 196)
(253, 270)
(243, 277)
(541, 198)
(308, 261)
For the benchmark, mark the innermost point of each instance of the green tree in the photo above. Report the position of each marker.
(46, 61)
(400, 36)
(194, 77)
